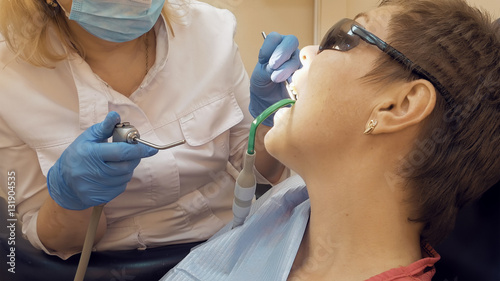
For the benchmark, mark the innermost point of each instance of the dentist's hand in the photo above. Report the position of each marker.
(278, 60)
(92, 171)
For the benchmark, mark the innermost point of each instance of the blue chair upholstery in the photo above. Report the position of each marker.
(33, 264)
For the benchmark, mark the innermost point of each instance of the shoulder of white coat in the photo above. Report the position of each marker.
(12, 74)
(206, 14)
(6, 54)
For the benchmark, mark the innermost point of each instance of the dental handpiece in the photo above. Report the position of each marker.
(124, 132)
(290, 87)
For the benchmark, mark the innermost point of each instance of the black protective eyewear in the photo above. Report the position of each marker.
(345, 35)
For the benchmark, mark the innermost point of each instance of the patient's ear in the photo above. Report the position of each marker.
(403, 106)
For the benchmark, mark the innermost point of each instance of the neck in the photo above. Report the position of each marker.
(358, 226)
(122, 66)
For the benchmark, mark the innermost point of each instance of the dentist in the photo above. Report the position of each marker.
(71, 69)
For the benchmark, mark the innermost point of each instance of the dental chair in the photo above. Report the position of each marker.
(472, 251)
(33, 264)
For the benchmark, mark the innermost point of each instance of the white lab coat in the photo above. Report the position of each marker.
(197, 90)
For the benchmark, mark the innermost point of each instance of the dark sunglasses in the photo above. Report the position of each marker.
(345, 35)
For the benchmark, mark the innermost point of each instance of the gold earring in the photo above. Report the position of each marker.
(52, 4)
(371, 126)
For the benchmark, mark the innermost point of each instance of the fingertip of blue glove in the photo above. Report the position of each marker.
(103, 130)
(281, 75)
(151, 151)
(111, 120)
(145, 151)
(113, 114)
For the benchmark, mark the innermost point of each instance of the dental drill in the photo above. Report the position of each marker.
(244, 190)
(123, 132)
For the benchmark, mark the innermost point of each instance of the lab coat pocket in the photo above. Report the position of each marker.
(207, 131)
(206, 122)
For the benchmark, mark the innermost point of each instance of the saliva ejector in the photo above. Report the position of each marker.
(246, 183)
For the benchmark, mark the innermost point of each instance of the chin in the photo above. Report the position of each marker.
(278, 146)
(269, 140)
(277, 143)
(273, 141)
(276, 140)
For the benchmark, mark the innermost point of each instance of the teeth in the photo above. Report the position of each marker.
(292, 91)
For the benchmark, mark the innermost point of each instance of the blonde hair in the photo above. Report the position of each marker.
(26, 26)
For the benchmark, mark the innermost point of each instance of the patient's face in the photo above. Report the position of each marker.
(333, 104)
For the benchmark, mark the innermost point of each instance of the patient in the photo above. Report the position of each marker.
(390, 149)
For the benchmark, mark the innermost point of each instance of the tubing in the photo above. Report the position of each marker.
(89, 242)
(253, 128)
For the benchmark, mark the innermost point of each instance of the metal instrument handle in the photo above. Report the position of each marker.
(161, 147)
(124, 132)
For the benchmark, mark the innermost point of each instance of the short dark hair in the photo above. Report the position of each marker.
(456, 158)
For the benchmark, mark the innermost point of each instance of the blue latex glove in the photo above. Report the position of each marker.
(278, 60)
(92, 171)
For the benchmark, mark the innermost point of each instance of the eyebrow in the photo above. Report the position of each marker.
(362, 15)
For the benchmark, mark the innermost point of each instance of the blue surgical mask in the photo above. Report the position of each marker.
(116, 20)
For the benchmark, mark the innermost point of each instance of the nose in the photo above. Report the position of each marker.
(308, 53)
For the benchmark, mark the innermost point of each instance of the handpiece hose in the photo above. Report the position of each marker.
(89, 242)
(124, 132)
